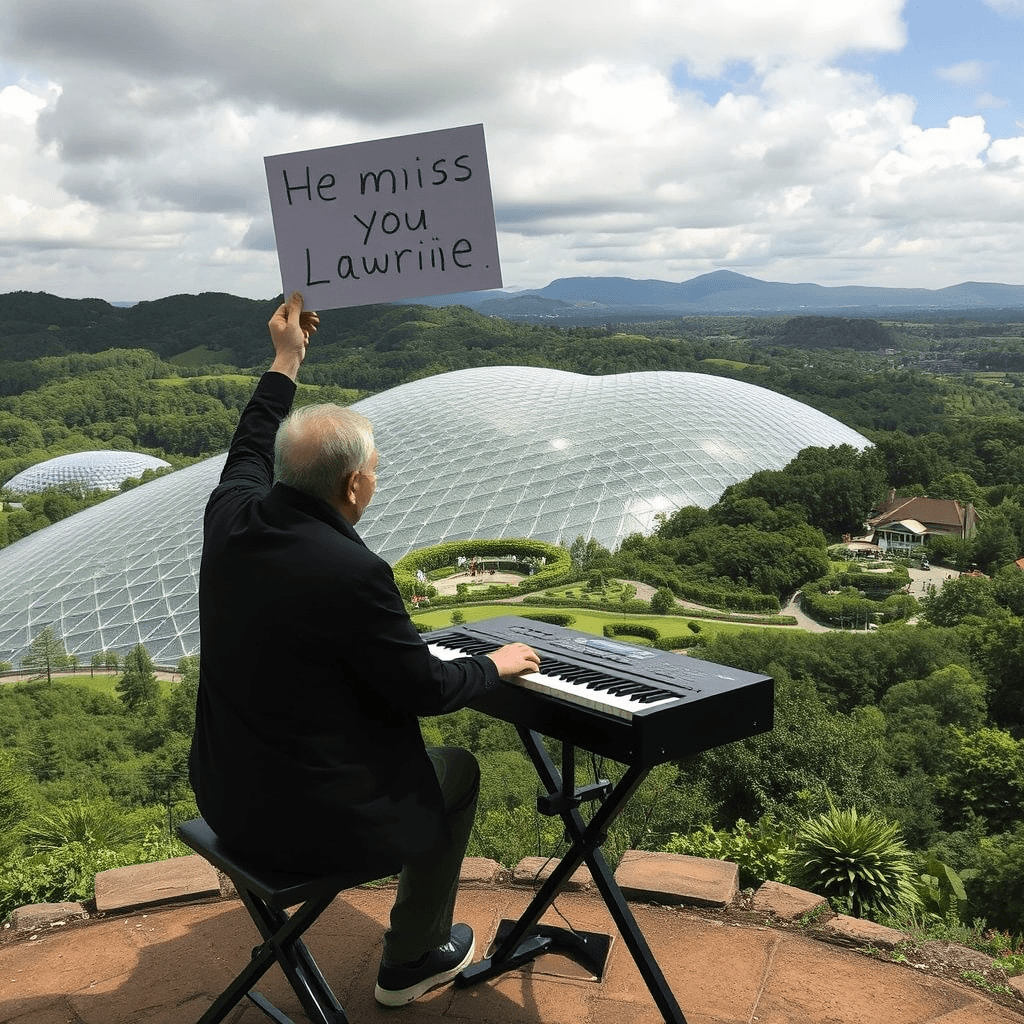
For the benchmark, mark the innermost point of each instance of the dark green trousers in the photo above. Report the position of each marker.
(421, 919)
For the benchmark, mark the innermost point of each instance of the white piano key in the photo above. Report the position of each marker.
(619, 705)
(444, 653)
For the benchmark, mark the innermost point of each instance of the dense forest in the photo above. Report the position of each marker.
(920, 721)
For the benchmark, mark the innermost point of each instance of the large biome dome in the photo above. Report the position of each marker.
(95, 471)
(491, 452)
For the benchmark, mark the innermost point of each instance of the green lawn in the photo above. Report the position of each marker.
(101, 682)
(587, 620)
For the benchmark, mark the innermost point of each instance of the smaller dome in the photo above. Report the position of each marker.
(95, 471)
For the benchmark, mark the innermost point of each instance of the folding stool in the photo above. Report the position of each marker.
(266, 893)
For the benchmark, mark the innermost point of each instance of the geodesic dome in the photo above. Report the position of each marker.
(532, 452)
(95, 471)
(491, 452)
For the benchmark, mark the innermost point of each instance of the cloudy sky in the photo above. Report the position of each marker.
(866, 142)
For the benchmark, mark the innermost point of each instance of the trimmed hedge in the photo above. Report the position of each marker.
(612, 629)
(675, 643)
(427, 560)
(735, 600)
(552, 619)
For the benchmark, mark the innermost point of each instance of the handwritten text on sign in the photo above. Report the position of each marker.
(385, 220)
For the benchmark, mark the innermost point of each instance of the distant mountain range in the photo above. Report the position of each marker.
(725, 292)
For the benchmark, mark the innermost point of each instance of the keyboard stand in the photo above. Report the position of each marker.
(526, 939)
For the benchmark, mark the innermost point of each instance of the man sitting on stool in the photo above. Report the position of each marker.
(307, 754)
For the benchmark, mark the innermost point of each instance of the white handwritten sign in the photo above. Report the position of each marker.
(385, 220)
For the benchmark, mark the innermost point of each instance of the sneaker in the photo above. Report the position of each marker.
(398, 984)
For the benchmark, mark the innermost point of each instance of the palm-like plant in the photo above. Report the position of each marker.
(858, 860)
(92, 823)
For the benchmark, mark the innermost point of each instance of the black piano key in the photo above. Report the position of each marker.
(465, 645)
(654, 695)
(624, 689)
(577, 675)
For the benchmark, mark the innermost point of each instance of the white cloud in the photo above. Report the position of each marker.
(988, 101)
(133, 146)
(1011, 8)
(967, 72)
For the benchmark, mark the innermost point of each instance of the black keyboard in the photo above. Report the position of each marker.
(635, 704)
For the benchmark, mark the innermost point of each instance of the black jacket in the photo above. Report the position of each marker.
(307, 749)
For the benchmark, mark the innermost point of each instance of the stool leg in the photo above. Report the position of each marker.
(283, 944)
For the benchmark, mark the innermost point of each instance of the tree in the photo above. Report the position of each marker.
(46, 653)
(960, 598)
(995, 544)
(682, 521)
(181, 704)
(138, 685)
(662, 601)
(921, 716)
(586, 553)
(15, 802)
(1001, 653)
(998, 881)
(985, 778)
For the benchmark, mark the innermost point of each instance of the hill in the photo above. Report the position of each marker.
(724, 292)
(209, 328)
(217, 328)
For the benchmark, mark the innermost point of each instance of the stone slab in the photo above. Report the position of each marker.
(480, 871)
(46, 915)
(535, 871)
(165, 881)
(674, 878)
(857, 931)
(786, 902)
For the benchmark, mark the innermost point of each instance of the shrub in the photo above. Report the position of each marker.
(96, 824)
(55, 877)
(855, 861)
(941, 890)
(508, 834)
(612, 629)
(528, 551)
(761, 851)
(553, 618)
(15, 801)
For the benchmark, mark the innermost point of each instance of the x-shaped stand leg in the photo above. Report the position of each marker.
(526, 940)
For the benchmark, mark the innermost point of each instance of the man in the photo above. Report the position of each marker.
(307, 752)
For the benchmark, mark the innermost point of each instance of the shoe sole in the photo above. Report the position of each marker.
(401, 996)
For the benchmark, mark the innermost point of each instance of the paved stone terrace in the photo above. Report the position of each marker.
(163, 939)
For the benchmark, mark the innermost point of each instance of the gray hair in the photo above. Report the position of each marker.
(318, 446)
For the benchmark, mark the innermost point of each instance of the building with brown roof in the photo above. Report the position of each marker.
(905, 524)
